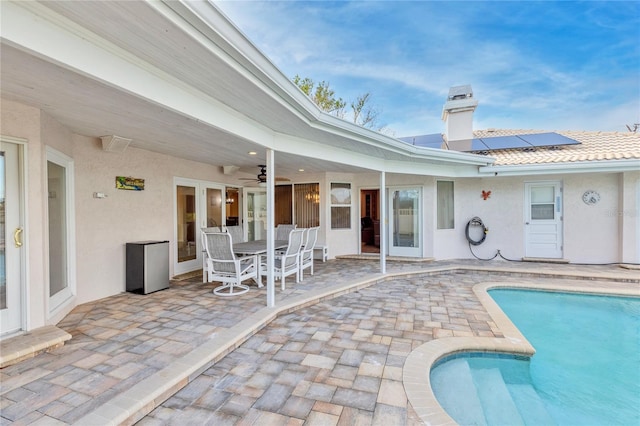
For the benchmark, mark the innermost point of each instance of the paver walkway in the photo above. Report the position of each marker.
(123, 340)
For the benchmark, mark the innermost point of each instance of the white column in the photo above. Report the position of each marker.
(271, 297)
(383, 224)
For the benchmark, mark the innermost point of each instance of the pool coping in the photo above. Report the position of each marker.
(417, 367)
(133, 404)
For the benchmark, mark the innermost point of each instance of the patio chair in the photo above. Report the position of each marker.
(306, 254)
(283, 230)
(224, 266)
(204, 249)
(237, 236)
(287, 263)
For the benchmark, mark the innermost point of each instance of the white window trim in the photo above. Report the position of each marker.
(60, 300)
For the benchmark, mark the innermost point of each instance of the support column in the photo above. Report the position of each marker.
(383, 224)
(271, 297)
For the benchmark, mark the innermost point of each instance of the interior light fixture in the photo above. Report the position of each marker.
(301, 170)
(252, 153)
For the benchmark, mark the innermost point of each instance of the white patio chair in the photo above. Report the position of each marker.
(224, 266)
(287, 263)
(306, 254)
(204, 249)
(283, 230)
(237, 236)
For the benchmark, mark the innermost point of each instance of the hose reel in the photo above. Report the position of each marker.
(474, 223)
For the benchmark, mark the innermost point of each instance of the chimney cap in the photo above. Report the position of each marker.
(460, 92)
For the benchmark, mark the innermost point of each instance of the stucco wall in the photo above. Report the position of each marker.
(105, 225)
(590, 232)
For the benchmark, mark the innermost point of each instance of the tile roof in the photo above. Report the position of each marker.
(594, 146)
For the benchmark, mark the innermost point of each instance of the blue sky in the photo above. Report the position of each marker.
(532, 65)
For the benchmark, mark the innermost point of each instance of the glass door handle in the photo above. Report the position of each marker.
(17, 237)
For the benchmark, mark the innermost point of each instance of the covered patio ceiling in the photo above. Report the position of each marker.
(202, 91)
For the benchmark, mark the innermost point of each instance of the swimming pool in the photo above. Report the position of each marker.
(586, 369)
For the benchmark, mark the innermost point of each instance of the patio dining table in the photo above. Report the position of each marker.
(247, 248)
(256, 248)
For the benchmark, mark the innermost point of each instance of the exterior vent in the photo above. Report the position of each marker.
(113, 143)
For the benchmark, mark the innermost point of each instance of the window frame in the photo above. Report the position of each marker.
(448, 222)
(346, 205)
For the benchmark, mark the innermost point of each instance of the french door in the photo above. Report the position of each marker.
(198, 205)
(405, 230)
(11, 238)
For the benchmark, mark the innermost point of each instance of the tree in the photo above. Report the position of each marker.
(362, 112)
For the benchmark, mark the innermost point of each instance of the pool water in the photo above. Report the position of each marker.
(586, 370)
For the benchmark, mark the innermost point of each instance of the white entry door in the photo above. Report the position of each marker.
(543, 220)
(11, 239)
(405, 232)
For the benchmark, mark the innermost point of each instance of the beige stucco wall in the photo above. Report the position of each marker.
(105, 225)
(628, 214)
(590, 232)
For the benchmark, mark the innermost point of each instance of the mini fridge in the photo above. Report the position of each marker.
(147, 266)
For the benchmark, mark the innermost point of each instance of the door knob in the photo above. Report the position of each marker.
(17, 237)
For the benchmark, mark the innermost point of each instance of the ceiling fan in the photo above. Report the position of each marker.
(262, 176)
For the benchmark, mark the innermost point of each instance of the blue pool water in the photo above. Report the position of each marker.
(586, 370)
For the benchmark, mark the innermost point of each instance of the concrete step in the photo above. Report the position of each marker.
(453, 384)
(499, 407)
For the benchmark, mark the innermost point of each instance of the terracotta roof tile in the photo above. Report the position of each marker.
(594, 146)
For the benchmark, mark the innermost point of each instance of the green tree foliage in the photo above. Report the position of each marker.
(362, 112)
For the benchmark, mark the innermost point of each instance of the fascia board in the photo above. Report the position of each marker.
(602, 166)
(431, 169)
(33, 28)
(313, 149)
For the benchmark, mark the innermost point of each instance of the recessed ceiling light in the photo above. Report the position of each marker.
(252, 153)
(301, 170)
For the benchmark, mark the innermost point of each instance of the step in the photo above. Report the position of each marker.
(531, 407)
(30, 344)
(453, 385)
(499, 407)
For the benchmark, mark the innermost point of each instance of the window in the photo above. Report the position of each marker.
(445, 205)
(340, 206)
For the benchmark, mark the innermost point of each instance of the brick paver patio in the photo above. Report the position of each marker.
(338, 361)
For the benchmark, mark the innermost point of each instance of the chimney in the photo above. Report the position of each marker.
(457, 114)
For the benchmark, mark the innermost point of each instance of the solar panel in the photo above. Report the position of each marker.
(524, 142)
(429, 141)
(505, 142)
(478, 145)
(548, 139)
